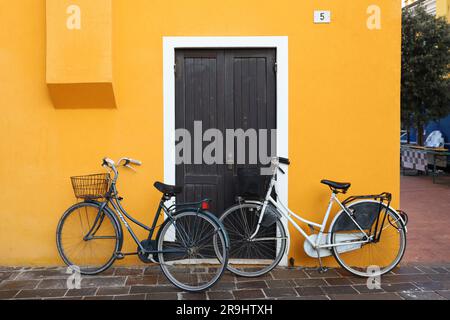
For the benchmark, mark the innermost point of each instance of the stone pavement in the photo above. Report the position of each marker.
(139, 283)
(428, 207)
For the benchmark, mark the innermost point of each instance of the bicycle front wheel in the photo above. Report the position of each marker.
(193, 252)
(87, 238)
(374, 256)
(253, 257)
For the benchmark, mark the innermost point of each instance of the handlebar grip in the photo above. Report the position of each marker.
(107, 162)
(284, 161)
(135, 162)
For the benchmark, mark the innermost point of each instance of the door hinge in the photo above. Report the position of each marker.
(275, 67)
(175, 69)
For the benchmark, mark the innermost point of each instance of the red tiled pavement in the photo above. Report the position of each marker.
(428, 208)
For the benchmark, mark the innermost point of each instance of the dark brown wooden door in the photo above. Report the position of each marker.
(224, 89)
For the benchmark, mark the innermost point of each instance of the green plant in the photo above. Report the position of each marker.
(425, 69)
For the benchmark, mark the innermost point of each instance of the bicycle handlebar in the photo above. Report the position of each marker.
(125, 162)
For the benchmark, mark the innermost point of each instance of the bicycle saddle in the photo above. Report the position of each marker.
(337, 185)
(167, 189)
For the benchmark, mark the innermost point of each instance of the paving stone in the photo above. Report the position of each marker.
(305, 298)
(405, 278)
(338, 290)
(310, 291)
(407, 270)
(280, 292)
(152, 270)
(267, 276)
(152, 289)
(224, 286)
(129, 271)
(444, 293)
(5, 276)
(9, 269)
(366, 296)
(421, 296)
(338, 281)
(131, 297)
(193, 296)
(229, 277)
(42, 274)
(248, 294)
(314, 273)
(399, 287)
(440, 269)
(81, 292)
(310, 282)
(142, 280)
(112, 291)
(280, 283)
(364, 289)
(99, 298)
(220, 295)
(18, 284)
(289, 274)
(40, 293)
(433, 285)
(53, 284)
(440, 277)
(8, 294)
(426, 269)
(162, 296)
(64, 298)
(359, 280)
(103, 281)
(251, 285)
(343, 273)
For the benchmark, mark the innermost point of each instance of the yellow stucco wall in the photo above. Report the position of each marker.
(443, 8)
(344, 111)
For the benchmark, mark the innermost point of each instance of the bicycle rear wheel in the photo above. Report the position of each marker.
(88, 239)
(193, 252)
(375, 257)
(258, 256)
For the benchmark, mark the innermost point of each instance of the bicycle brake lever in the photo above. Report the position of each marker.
(130, 167)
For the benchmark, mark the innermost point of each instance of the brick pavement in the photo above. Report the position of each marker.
(138, 283)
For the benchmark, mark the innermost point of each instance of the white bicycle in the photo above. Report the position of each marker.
(365, 233)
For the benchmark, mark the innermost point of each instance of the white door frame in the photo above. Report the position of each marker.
(280, 43)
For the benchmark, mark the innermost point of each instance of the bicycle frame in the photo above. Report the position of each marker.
(288, 214)
(113, 198)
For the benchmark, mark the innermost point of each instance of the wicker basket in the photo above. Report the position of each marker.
(94, 186)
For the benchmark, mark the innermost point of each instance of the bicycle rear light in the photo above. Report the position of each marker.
(205, 205)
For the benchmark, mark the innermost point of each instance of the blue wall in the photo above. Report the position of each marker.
(442, 125)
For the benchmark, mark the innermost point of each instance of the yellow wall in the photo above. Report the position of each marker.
(443, 8)
(344, 108)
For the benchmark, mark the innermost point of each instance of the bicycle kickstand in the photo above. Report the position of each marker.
(321, 269)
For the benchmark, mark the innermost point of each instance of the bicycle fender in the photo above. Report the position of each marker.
(357, 202)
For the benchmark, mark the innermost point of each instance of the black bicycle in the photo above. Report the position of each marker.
(191, 245)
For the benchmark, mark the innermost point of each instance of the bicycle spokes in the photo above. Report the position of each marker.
(192, 251)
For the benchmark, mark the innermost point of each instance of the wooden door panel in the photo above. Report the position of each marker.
(224, 89)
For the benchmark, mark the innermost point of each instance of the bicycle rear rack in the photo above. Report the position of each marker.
(385, 196)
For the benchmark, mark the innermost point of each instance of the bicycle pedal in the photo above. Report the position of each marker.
(120, 256)
(322, 270)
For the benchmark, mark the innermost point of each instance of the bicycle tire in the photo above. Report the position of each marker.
(63, 252)
(236, 238)
(165, 257)
(374, 258)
